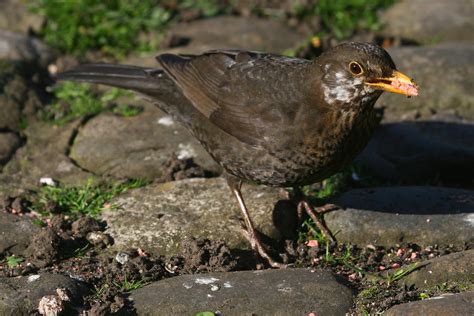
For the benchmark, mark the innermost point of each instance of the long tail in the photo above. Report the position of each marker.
(122, 76)
(153, 84)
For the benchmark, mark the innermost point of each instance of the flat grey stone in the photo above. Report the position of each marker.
(135, 147)
(445, 74)
(21, 295)
(422, 152)
(239, 32)
(159, 216)
(15, 233)
(227, 32)
(456, 267)
(268, 292)
(18, 101)
(20, 47)
(45, 154)
(15, 16)
(446, 305)
(430, 21)
(390, 215)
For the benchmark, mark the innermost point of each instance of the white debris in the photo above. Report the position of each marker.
(166, 121)
(215, 287)
(122, 257)
(186, 151)
(48, 181)
(62, 293)
(33, 277)
(50, 305)
(355, 176)
(469, 218)
(205, 280)
(187, 286)
(227, 285)
(53, 69)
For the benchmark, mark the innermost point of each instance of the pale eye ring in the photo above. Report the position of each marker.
(356, 68)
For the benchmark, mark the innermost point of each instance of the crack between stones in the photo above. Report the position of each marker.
(71, 141)
(22, 143)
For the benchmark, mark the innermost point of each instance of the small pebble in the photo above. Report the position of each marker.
(122, 257)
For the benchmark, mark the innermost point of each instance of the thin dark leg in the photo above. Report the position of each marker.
(304, 204)
(251, 233)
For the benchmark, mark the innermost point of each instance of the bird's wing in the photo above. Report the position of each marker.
(253, 96)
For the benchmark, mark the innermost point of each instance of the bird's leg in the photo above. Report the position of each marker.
(251, 233)
(304, 205)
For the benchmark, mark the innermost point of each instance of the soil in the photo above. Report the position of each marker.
(78, 248)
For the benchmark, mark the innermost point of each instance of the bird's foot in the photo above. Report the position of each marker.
(304, 206)
(258, 247)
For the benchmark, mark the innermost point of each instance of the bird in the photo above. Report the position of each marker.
(266, 118)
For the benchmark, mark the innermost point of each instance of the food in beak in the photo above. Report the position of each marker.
(397, 83)
(408, 89)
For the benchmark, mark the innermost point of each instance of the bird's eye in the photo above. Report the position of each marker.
(355, 68)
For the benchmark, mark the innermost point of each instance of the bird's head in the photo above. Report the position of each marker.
(357, 73)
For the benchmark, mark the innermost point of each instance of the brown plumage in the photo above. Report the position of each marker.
(266, 118)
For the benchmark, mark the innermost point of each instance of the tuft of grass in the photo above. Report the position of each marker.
(400, 273)
(75, 100)
(98, 291)
(309, 231)
(127, 286)
(13, 261)
(343, 18)
(87, 200)
(81, 252)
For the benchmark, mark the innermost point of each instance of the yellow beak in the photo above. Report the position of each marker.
(397, 83)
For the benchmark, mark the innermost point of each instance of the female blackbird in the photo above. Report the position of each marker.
(266, 118)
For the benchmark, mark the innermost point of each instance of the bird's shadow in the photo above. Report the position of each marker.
(422, 153)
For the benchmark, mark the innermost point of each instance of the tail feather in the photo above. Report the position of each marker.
(122, 76)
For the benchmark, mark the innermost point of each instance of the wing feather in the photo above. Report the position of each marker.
(250, 95)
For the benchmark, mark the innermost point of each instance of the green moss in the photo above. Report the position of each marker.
(74, 100)
(343, 18)
(113, 27)
(87, 200)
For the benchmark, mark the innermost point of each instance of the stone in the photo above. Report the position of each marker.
(9, 143)
(227, 32)
(159, 216)
(16, 233)
(18, 101)
(45, 155)
(389, 215)
(43, 249)
(430, 21)
(15, 16)
(456, 267)
(446, 305)
(267, 292)
(135, 147)
(20, 47)
(22, 295)
(234, 32)
(445, 74)
(422, 152)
